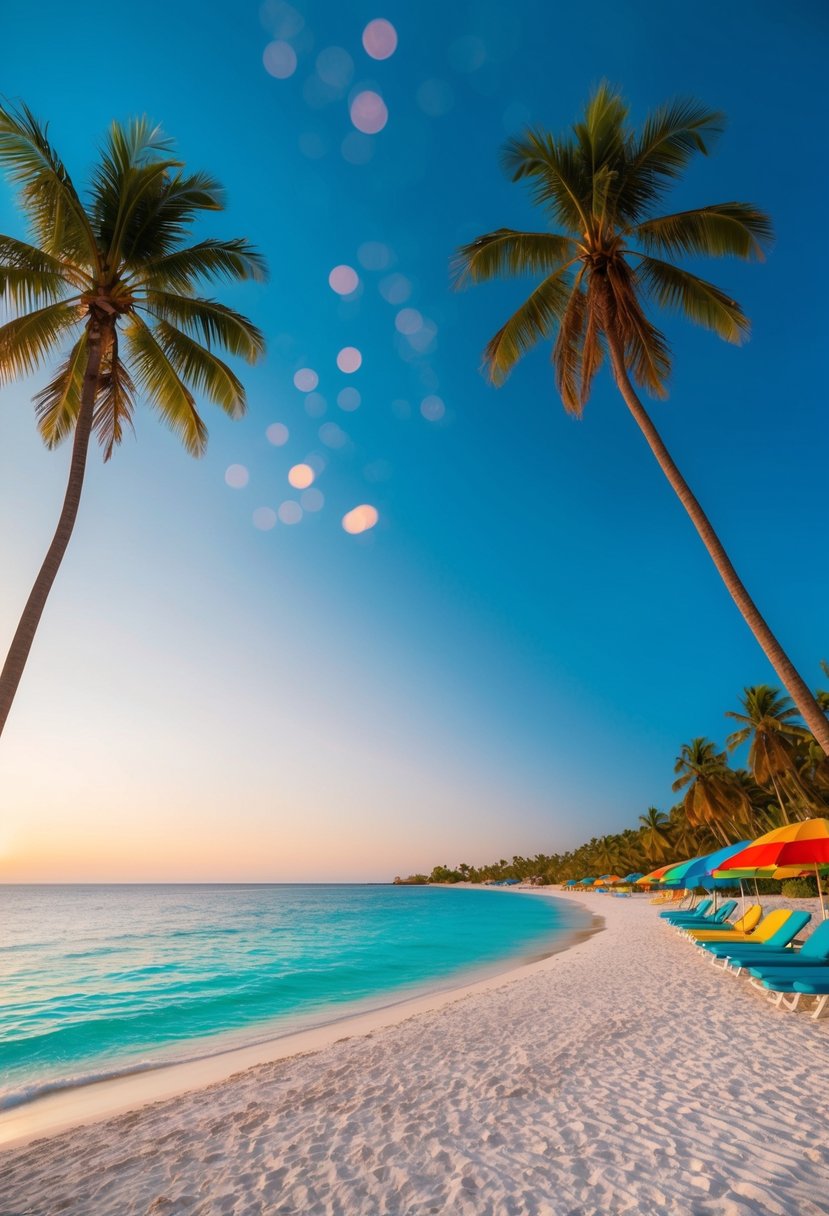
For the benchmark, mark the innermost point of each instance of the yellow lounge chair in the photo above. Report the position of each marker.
(767, 926)
(746, 924)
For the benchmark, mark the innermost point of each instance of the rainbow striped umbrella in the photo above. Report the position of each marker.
(804, 844)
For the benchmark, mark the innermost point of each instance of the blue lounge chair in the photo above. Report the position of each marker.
(815, 952)
(781, 938)
(748, 929)
(714, 920)
(815, 987)
(812, 981)
(691, 913)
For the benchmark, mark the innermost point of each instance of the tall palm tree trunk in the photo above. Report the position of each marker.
(774, 782)
(797, 688)
(22, 642)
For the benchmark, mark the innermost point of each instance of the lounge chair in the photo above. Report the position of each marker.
(695, 913)
(776, 946)
(745, 924)
(815, 952)
(815, 987)
(811, 981)
(714, 920)
(767, 926)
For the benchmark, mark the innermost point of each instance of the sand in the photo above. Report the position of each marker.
(625, 1075)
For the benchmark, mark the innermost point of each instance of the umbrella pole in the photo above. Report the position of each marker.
(743, 897)
(820, 892)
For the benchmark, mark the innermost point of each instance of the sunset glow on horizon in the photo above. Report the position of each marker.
(395, 616)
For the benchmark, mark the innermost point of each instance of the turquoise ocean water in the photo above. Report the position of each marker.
(101, 980)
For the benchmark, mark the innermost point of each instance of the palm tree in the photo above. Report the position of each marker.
(714, 795)
(114, 280)
(602, 185)
(766, 720)
(654, 834)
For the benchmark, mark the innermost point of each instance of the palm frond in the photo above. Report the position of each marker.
(213, 323)
(28, 339)
(22, 290)
(163, 215)
(671, 135)
(132, 165)
(203, 371)
(47, 194)
(506, 251)
(700, 301)
(721, 230)
(567, 351)
(57, 404)
(592, 353)
(558, 178)
(20, 255)
(115, 405)
(166, 393)
(535, 319)
(210, 260)
(646, 351)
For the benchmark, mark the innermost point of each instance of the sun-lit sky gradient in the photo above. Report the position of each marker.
(227, 683)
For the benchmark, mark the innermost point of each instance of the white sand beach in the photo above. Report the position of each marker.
(624, 1075)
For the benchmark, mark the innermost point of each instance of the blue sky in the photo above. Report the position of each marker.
(510, 660)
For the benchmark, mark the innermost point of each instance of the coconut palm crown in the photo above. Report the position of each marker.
(610, 260)
(112, 287)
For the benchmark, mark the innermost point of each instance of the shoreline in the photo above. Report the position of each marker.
(77, 1105)
(622, 1075)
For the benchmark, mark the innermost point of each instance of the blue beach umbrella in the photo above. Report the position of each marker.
(633, 877)
(698, 873)
(571, 882)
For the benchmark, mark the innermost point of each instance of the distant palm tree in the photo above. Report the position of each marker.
(714, 796)
(602, 185)
(822, 694)
(115, 279)
(766, 719)
(654, 834)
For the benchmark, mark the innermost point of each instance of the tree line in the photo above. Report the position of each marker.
(785, 778)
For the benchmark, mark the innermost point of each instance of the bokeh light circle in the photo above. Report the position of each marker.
(368, 112)
(306, 379)
(432, 408)
(357, 149)
(344, 280)
(332, 435)
(278, 434)
(395, 288)
(312, 500)
(408, 321)
(348, 399)
(264, 518)
(315, 405)
(279, 59)
(374, 255)
(380, 38)
(301, 476)
(349, 359)
(335, 67)
(290, 512)
(360, 519)
(237, 476)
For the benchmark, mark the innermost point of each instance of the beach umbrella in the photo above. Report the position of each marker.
(804, 844)
(634, 877)
(571, 882)
(659, 874)
(698, 872)
(586, 882)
